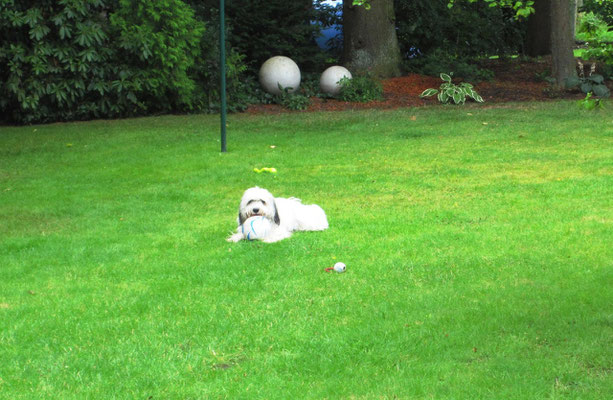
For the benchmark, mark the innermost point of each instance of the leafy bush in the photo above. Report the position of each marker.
(158, 43)
(85, 59)
(260, 30)
(468, 29)
(602, 8)
(440, 60)
(309, 85)
(241, 89)
(436, 38)
(590, 26)
(53, 61)
(596, 33)
(255, 32)
(293, 100)
(361, 89)
(449, 91)
(600, 50)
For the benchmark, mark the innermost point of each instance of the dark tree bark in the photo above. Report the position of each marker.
(550, 31)
(574, 7)
(369, 39)
(563, 63)
(538, 35)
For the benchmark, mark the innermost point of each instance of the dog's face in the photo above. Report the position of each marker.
(257, 201)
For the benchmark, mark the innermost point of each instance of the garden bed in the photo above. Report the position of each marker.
(514, 80)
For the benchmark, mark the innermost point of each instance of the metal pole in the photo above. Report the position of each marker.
(222, 72)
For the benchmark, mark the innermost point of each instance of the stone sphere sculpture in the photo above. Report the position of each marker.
(330, 77)
(279, 71)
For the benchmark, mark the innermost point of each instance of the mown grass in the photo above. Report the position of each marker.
(477, 240)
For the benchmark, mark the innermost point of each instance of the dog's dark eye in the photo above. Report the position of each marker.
(263, 202)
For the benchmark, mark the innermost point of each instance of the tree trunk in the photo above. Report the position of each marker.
(538, 36)
(562, 58)
(369, 39)
(573, 18)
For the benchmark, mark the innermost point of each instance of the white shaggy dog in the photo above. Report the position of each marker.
(285, 215)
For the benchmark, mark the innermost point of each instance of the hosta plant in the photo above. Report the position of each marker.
(449, 91)
(593, 83)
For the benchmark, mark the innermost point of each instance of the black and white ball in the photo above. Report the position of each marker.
(339, 267)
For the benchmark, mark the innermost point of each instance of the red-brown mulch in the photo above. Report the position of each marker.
(514, 81)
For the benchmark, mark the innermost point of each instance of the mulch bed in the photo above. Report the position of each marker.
(514, 81)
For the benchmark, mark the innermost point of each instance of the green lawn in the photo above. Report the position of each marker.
(478, 243)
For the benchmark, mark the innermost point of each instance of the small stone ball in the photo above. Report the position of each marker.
(330, 77)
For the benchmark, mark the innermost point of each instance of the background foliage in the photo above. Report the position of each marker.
(467, 29)
(435, 38)
(254, 33)
(598, 37)
(260, 30)
(96, 58)
(603, 8)
(70, 60)
(112, 58)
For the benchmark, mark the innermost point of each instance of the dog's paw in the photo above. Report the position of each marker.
(237, 237)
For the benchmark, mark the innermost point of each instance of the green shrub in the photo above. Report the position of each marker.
(361, 89)
(71, 60)
(241, 89)
(263, 29)
(440, 60)
(596, 33)
(468, 29)
(436, 38)
(601, 50)
(309, 85)
(602, 8)
(158, 43)
(590, 25)
(53, 60)
(293, 100)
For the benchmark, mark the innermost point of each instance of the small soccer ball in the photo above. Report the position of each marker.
(256, 228)
(340, 267)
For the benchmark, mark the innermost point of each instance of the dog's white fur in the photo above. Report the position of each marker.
(285, 215)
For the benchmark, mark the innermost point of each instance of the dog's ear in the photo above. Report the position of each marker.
(276, 218)
(241, 217)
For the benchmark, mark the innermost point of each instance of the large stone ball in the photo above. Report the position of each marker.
(281, 71)
(330, 77)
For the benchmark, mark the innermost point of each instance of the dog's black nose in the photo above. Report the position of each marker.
(255, 210)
